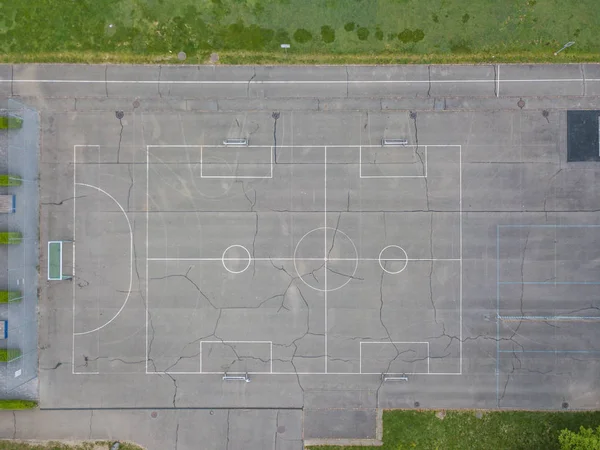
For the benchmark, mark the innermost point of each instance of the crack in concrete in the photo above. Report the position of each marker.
(158, 82)
(429, 80)
(63, 201)
(347, 83)
(176, 387)
(431, 267)
(120, 140)
(228, 425)
(249, 81)
(177, 434)
(191, 281)
(583, 85)
(337, 226)
(14, 425)
(130, 186)
(90, 429)
(352, 277)
(254, 241)
(275, 117)
(58, 364)
(550, 186)
(413, 115)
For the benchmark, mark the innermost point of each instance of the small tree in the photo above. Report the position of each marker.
(584, 439)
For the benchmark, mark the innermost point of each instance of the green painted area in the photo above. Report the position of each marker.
(10, 237)
(17, 404)
(318, 30)
(10, 122)
(466, 430)
(54, 261)
(10, 296)
(10, 180)
(8, 354)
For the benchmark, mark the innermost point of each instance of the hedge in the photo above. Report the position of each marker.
(17, 404)
(8, 354)
(10, 180)
(10, 237)
(10, 296)
(10, 123)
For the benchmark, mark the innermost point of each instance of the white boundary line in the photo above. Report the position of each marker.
(245, 82)
(238, 342)
(290, 146)
(220, 177)
(130, 260)
(147, 281)
(325, 252)
(392, 343)
(275, 258)
(360, 163)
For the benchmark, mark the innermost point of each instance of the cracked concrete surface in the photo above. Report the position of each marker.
(452, 319)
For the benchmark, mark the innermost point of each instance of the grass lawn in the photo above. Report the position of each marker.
(96, 445)
(510, 430)
(319, 31)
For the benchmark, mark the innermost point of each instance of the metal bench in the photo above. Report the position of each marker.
(236, 142)
(393, 142)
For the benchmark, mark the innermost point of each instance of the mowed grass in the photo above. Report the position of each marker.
(463, 430)
(319, 31)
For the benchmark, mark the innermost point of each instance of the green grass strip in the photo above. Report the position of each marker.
(10, 180)
(17, 404)
(57, 445)
(10, 237)
(8, 354)
(466, 430)
(10, 296)
(10, 122)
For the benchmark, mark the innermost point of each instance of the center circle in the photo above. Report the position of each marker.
(236, 258)
(393, 259)
(326, 259)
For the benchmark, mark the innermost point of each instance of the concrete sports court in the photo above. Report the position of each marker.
(269, 224)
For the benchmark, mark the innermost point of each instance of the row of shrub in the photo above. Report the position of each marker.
(10, 122)
(11, 237)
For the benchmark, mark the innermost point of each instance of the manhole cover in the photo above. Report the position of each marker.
(521, 104)
(212, 413)
(565, 405)
(181, 56)
(119, 114)
(417, 404)
(214, 57)
(281, 429)
(154, 414)
(136, 103)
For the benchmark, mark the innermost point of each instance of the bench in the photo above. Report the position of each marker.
(236, 142)
(3, 329)
(8, 203)
(55, 268)
(393, 142)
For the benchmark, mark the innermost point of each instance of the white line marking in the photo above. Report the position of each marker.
(276, 258)
(498, 81)
(245, 82)
(294, 146)
(130, 259)
(74, 228)
(326, 253)
(460, 254)
(292, 373)
(147, 227)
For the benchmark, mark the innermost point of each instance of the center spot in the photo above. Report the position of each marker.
(326, 259)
